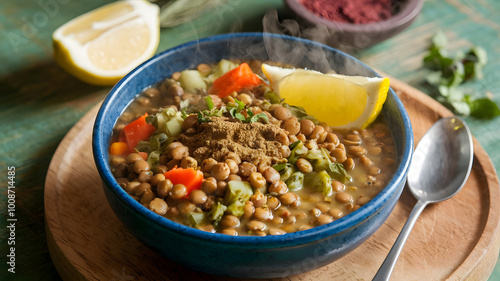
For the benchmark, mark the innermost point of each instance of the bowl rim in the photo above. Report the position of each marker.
(410, 11)
(100, 147)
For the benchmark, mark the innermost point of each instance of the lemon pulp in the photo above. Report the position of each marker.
(324, 97)
(340, 101)
(103, 45)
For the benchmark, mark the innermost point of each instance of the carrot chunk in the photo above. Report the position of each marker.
(236, 79)
(119, 148)
(137, 131)
(189, 177)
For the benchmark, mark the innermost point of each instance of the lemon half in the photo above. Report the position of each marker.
(103, 45)
(339, 100)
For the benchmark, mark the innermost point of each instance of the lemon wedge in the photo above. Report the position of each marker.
(103, 45)
(339, 100)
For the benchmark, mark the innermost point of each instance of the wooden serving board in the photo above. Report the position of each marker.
(457, 239)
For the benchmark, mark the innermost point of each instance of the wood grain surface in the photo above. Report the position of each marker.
(40, 103)
(457, 239)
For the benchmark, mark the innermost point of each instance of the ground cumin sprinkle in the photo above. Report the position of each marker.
(253, 142)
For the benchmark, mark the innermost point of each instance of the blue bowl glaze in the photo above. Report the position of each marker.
(248, 256)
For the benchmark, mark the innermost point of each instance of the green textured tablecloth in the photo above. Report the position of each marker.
(39, 102)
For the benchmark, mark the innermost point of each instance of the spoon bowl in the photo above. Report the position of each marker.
(439, 169)
(442, 161)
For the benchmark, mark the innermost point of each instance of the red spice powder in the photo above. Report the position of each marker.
(350, 11)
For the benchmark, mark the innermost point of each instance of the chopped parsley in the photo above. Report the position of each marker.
(237, 110)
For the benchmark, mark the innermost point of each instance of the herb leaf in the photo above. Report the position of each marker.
(272, 97)
(209, 102)
(237, 108)
(259, 116)
(240, 117)
(204, 115)
(483, 108)
(240, 104)
(300, 112)
(474, 61)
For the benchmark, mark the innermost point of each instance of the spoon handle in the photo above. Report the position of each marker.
(387, 266)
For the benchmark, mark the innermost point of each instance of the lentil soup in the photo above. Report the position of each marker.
(217, 149)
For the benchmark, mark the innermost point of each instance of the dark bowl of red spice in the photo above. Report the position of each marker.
(355, 24)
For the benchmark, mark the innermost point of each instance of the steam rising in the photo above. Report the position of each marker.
(301, 55)
(318, 33)
(284, 50)
(293, 53)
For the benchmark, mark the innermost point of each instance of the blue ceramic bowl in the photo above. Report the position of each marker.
(248, 256)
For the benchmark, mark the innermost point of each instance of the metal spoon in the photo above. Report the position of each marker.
(440, 167)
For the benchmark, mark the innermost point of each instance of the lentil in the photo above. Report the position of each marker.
(357, 151)
(220, 171)
(278, 187)
(179, 152)
(147, 196)
(337, 186)
(189, 122)
(157, 178)
(257, 180)
(230, 221)
(158, 206)
(306, 127)
(248, 210)
(262, 214)
(178, 191)
(339, 154)
(343, 197)
(233, 166)
(273, 203)
(229, 231)
(365, 161)
(349, 164)
(209, 185)
(131, 186)
(198, 197)
(276, 231)
(141, 188)
(292, 126)
(324, 219)
(246, 169)
(207, 164)
(289, 198)
(258, 199)
(336, 213)
(304, 166)
(132, 157)
(189, 162)
(282, 113)
(256, 225)
(271, 175)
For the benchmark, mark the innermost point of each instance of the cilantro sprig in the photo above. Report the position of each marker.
(236, 110)
(449, 73)
(204, 115)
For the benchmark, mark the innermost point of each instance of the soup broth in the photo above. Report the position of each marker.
(234, 158)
